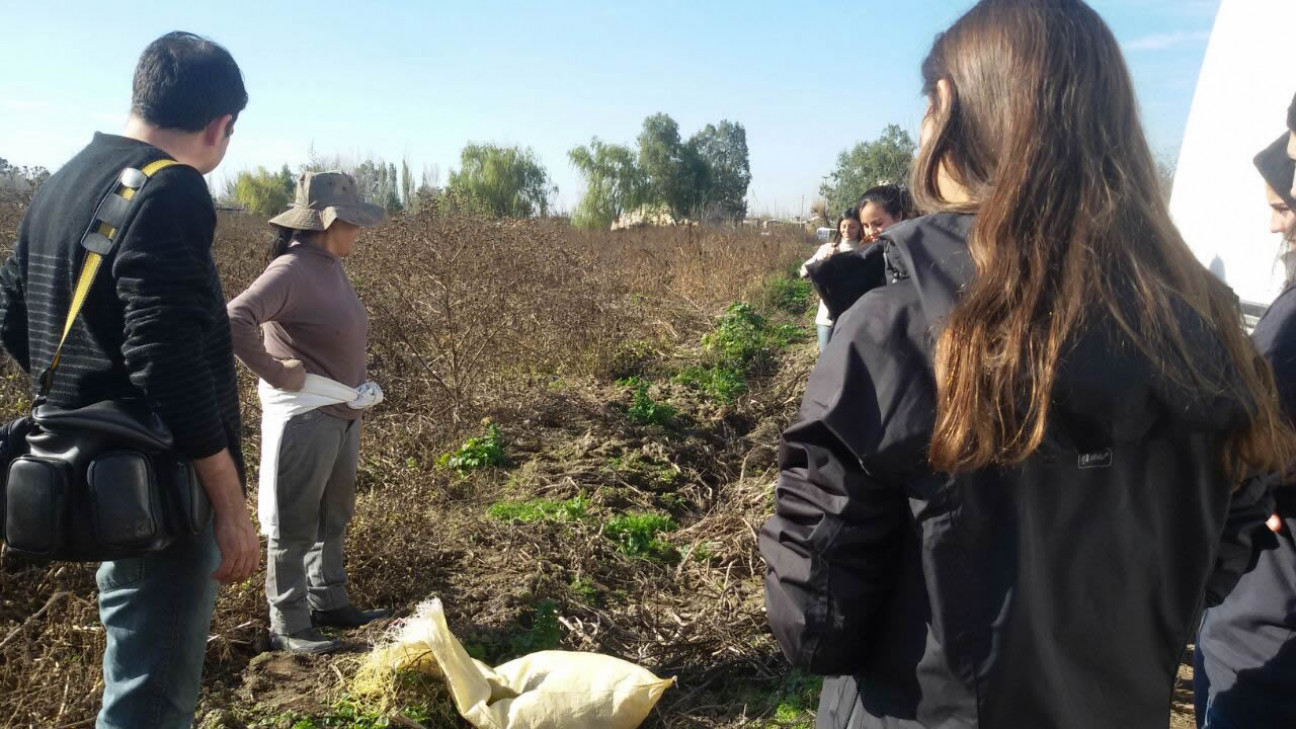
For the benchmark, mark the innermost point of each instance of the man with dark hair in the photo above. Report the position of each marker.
(153, 327)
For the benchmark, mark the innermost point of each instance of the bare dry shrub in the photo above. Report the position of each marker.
(528, 322)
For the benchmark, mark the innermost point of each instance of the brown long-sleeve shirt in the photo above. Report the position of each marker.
(308, 310)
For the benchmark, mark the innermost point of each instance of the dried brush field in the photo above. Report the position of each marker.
(576, 451)
(577, 446)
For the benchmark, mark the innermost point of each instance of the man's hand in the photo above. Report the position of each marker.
(235, 537)
(1275, 524)
(239, 548)
(294, 375)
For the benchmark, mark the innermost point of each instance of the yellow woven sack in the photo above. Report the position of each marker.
(546, 690)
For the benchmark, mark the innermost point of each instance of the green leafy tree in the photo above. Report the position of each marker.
(504, 182)
(407, 184)
(887, 159)
(723, 149)
(676, 174)
(262, 193)
(613, 183)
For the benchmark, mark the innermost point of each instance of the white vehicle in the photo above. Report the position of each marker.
(1239, 108)
(823, 234)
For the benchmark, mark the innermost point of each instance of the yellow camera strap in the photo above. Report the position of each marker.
(98, 242)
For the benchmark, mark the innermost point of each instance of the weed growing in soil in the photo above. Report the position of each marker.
(788, 293)
(344, 714)
(584, 590)
(644, 410)
(636, 535)
(721, 384)
(544, 633)
(743, 339)
(477, 453)
(743, 342)
(646, 471)
(540, 510)
(791, 702)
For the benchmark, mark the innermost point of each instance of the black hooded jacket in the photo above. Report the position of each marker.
(1058, 593)
(1248, 644)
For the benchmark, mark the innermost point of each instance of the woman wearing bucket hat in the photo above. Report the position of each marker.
(302, 330)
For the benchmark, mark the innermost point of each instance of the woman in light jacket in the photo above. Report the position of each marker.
(311, 362)
(1015, 476)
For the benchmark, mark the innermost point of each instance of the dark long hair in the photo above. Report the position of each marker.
(1041, 128)
(284, 237)
(894, 199)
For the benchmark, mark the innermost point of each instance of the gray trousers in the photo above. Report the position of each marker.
(315, 494)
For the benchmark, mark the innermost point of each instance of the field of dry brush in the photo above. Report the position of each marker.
(576, 450)
(616, 506)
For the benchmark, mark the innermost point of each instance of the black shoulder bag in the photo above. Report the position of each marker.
(100, 482)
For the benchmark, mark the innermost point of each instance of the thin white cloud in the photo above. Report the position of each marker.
(1167, 41)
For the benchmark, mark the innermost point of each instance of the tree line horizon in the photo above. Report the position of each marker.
(661, 177)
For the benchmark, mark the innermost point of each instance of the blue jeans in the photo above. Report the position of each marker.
(825, 334)
(157, 612)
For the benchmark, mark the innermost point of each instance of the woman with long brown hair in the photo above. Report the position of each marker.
(1007, 501)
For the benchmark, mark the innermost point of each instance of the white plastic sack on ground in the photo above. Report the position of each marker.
(546, 690)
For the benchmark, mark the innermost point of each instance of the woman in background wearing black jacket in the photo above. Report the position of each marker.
(1013, 483)
(1245, 672)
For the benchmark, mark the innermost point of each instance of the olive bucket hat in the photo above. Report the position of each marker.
(323, 197)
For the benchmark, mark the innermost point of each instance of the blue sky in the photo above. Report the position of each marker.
(418, 80)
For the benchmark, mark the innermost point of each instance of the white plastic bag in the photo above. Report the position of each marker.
(546, 690)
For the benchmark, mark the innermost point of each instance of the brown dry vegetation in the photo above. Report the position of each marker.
(529, 324)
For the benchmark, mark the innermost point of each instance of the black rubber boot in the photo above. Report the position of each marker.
(347, 617)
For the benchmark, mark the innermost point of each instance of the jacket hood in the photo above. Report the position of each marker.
(1107, 390)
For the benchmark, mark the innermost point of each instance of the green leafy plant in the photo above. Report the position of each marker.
(644, 410)
(585, 590)
(636, 535)
(789, 293)
(540, 510)
(544, 633)
(720, 384)
(477, 453)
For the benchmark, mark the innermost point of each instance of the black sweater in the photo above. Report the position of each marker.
(1058, 593)
(154, 325)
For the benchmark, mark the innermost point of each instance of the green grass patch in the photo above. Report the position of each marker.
(718, 383)
(540, 510)
(486, 451)
(792, 702)
(346, 713)
(644, 410)
(636, 535)
(788, 293)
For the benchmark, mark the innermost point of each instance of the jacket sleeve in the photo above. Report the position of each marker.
(13, 314)
(833, 545)
(824, 251)
(1244, 536)
(165, 278)
(269, 298)
(843, 279)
